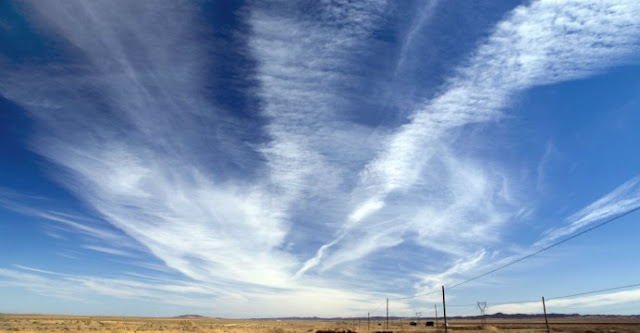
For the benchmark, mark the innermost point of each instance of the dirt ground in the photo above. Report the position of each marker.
(37, 323)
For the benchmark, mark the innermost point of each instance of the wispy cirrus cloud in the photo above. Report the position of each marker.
(196, 295)
(108, 250)
(132, 132)
(621, 200)
(144, 156)
(78, 288)
(530, 47)
(66, 223)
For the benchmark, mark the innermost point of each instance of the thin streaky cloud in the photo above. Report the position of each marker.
(136, 180)
(37, 270)
(529, 48)
(541, 170)
(189, 294)
(624, 198)
(425, 14)
(109, 250)
(73, 222)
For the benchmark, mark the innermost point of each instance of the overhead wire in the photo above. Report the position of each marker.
(547, 247)
(568, 296)
(418, 295)
(378, 308)
(490, 304)
(510, 263)
(595, 291)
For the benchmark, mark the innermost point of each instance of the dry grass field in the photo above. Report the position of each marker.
(38, 323)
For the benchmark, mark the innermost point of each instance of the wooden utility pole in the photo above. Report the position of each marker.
(368, 321)
(544, 308)
(435, 306)
(387, 313)
(444, 308)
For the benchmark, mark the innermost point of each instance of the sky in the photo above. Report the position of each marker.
(252, 159)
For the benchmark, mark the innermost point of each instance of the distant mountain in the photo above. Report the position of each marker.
(498, 315)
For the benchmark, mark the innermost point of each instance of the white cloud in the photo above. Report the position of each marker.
(623, 199)
(571, 305)
(66, 223)
(37, 283)
(432, 282)
(425, 14)
(137, 161)
(204, 297)
(108, 250)
(541, 170)
(544, 42)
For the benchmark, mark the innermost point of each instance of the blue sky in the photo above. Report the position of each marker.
(292, 158)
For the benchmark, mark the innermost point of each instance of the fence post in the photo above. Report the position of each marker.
(544, 308)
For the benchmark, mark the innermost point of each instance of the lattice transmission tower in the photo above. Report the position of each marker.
(482, 306)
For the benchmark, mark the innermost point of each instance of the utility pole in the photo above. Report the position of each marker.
(368, 321)
(544, 307)
(387, 313)
(435, 306)
(418, 314)
(444, 308)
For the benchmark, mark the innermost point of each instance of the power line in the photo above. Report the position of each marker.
(596, 291)
(571, 295)
(537, 300)
(418, 295)
(514, 302)
(547, 247)
(378, 308)
(460, 305)
(630, 211)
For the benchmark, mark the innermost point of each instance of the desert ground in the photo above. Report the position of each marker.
(42, 323)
